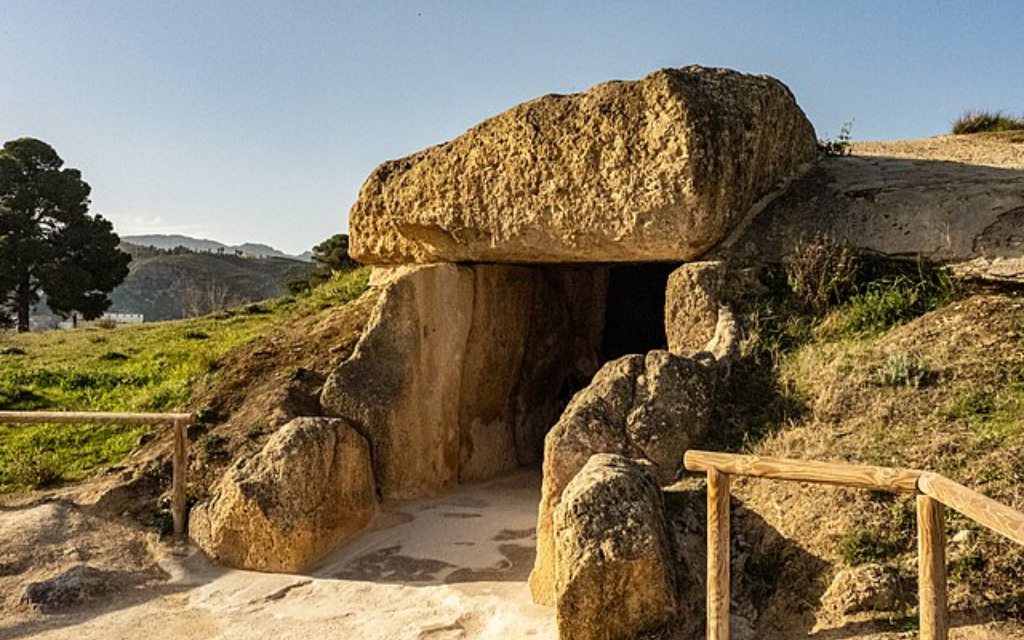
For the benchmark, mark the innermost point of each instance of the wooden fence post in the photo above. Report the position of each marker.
(931, 552)
(718, 555)
(179, 464)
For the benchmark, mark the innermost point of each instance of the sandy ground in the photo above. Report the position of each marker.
(992, 151)
(453, 567)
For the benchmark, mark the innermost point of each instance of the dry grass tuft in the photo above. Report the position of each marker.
(986, 122)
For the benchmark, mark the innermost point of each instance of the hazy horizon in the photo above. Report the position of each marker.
(258, 121)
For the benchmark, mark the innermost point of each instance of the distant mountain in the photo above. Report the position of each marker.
(248, 249)
(167, 285)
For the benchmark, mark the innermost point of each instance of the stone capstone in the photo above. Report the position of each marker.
(658, 169)
(652, 406)
(309, 489)
(613, 557)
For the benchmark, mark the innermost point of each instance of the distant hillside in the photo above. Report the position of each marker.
(248, 249)
(166, 286)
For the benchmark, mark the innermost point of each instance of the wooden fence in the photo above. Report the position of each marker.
(179, 423)
(934, 493)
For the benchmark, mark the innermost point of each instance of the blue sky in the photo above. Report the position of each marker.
(259, 120)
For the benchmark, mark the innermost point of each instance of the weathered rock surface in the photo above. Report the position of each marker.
(306, 491)
(652, 406)
(463, 368)
(656, 169)
(871, 587)
(692, 300)
(534, 339)
(970, 216)
(75, 586)
(613, 557)
(57, 554)
(401, 386)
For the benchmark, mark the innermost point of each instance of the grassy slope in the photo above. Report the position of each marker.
(942, 391)
(150, 367)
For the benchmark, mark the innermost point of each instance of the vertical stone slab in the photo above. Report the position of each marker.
(502, 313)
(614, 567)
(402, 385)
(692, 300)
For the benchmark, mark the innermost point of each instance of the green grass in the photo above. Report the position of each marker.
(864, 545)
(995, 416)
(148, 367)
(890, 301)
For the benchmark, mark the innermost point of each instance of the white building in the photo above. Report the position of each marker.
(117, 318)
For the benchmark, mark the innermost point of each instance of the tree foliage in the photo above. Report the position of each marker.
(329, 257)
(49, 243)
(332, 254)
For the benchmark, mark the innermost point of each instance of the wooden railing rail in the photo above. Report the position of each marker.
(845, 475)
(934, 493)
(179, 423)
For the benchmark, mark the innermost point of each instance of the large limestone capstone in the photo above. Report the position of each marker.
(462, 368)
(305, 492)
(652, 406)
(661, 168)
(614, 573)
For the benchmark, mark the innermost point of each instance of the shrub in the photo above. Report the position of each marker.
(193, 334)
(900, 370)
(972, 404)
(986, 122)
(967, 568)
(840, 146)
(822, 272)
(35, 467)
(113, 356)
(862, 546)
(213, 446)
(892, 300)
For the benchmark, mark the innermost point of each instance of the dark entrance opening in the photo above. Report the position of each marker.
(634, 320)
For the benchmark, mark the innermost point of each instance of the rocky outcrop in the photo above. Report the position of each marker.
(968, 216)
(306, 491)
(652, 406)
(613, 558)
(462, 369)
(75, 586)
(871, 587)
(659, 169)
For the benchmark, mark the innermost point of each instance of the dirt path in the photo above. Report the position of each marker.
(454, 567)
